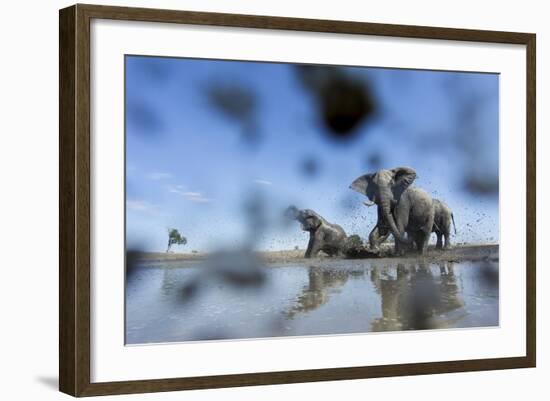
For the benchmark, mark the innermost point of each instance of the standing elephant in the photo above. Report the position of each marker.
(401, 209)
(323, 236)
(443, 216)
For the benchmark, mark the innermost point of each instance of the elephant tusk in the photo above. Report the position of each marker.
(368, 204)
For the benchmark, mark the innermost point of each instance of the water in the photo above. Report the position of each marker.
(180, 301)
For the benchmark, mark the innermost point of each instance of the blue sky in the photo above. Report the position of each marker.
(191, 166)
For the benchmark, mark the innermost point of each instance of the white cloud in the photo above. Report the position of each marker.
(199, 199)
(192, 196)
(263, 182)
(138, 205)
(196, 197)
(142, 206)
(176, 189)
(158, 176)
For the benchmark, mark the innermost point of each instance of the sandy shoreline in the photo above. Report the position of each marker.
(456, 254)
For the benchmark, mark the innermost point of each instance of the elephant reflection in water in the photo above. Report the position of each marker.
(414, 299)
(450, 298)
(322, 282)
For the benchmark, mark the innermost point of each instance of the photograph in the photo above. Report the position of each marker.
(269, 199)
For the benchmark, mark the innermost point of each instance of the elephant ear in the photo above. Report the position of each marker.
(310, 219)
(361, 183)
(310, 214)
(318, 221)
(403, 177)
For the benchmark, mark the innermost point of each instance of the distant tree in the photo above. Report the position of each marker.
(175, 238)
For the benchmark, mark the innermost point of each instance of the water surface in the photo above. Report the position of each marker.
(179, 301)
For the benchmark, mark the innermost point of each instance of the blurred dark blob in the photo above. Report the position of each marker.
(251, 133)
(287, 217)
(468, 104)
(143, 119)
(310, 167)
(239, 268)
(488, 273)
(343, 101)
(238, 103)
(242, 278)
(158, 70)
(481, 184)
(236, 268)
(133, 256)
(373, 161)
(190, 290)
(255, 213)
(234, 100)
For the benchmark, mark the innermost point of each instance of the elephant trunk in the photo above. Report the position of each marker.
(385, 205)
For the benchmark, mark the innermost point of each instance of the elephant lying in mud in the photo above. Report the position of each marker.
(323, 236)
(401, 209)
(443, 216)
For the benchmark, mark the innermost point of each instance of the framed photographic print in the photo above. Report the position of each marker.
(250, 200)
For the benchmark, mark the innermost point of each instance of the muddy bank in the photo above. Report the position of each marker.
(471, 252)
(456, 254)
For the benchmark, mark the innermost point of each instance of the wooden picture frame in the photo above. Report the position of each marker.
(75, 207)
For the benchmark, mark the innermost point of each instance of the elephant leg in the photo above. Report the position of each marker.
(377, 236)
(315, 249)
(401, 220)
(447, 235)
(383, 237)
(310, 246)
(439, 244)
(411, 244)
(424, 238)
(316, 241)
(417, 240)
(401, 247)
(374, 237)
(447, 241)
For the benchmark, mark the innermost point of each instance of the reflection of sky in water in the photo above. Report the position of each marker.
(339, 297)
(191, 167)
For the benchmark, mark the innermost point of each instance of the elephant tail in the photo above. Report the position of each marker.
(453, 219)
